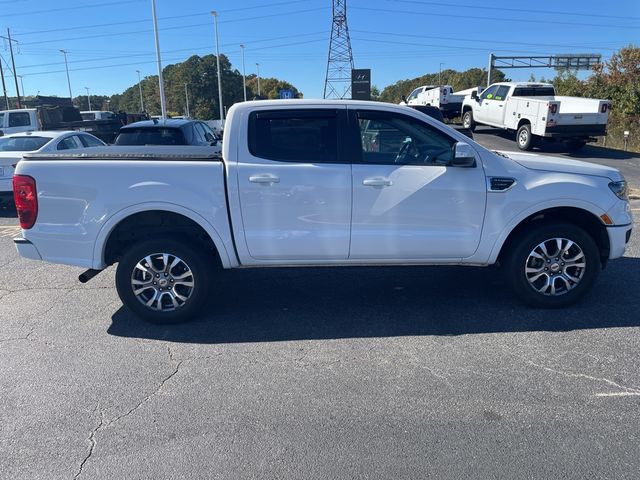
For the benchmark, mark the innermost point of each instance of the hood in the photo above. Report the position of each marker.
(533, 161)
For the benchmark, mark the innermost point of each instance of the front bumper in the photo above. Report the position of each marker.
(26, 249)
(619, 237)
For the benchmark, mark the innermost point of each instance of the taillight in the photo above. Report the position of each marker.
(25, 196)
(553, 108)
(605, 107)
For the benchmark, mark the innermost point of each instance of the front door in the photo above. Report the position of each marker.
(496, 105)
(481, 112)
(295, 191)
(408, 203)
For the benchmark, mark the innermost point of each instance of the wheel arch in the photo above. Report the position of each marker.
(123, 227)
(523, 121)
(581, 217)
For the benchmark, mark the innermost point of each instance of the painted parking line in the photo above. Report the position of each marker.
(9, 231)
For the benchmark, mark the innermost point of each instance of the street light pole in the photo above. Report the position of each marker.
(440, 74)
(163, 102)
(258, 66)
(140, 88)
(4, 85)
(88, 97)
(66, 66)
(21, 85)
(244, 74)
(215, 22)
(186, 96)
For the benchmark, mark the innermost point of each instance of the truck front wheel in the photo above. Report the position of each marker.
(525, 138)
(552, 265)
(467, 121)
(164, 280)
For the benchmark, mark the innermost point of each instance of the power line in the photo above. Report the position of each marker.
(177, 27)
(130, 22)
(517, 10)
(497, 19)
(77, 7)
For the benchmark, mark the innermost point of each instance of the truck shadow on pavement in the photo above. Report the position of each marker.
(588, 151)
(330, 303)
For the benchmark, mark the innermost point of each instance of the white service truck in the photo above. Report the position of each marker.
(534, 111)
(441, 97)
(318, 183)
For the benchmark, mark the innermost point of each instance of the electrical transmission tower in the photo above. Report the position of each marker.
(340, 63)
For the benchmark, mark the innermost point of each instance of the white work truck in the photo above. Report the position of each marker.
(314, 182)
(534, 111)
(441, 97)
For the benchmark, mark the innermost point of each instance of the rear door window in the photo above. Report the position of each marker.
(19, 119)
(294, 135)
(69, 143)
(150, 136)
(501, 93)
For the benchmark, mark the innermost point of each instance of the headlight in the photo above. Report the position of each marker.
(619, 188)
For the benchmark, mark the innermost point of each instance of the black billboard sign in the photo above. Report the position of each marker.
(361, 84)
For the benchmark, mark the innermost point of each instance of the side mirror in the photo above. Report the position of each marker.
(404, 99)
(463, 155)
(474, 95)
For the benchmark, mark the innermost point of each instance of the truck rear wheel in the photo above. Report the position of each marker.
(552, 265)
(467, 121)
(525, 138)
(164, 280)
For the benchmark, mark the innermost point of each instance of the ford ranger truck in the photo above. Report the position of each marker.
(316, 183)
(534, 112)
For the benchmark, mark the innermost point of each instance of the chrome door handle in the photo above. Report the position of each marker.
(377, 182)
(264, 178)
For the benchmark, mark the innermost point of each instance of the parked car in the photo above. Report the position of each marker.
(534, 112)
(314, 183)
(12, 147)
(168, 132)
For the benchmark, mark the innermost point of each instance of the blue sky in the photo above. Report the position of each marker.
(108, 41)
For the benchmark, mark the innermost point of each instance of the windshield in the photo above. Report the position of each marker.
(88, 116)
(22, 144)
(150, 136)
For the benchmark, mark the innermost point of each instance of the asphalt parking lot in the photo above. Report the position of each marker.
(322, 373)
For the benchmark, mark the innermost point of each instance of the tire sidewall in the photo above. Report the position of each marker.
(197, 260)
(523, 245)
(467, 117)
(529, 144)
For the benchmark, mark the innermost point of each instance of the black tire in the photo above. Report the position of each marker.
(524, 138)
(468, 122)
(195, 262)
(575, 145)
(521, 267)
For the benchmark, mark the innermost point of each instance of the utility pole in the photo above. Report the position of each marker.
(491, 60)
(186, 96)
(244, 74)
(88, 97)
(4, 85)
(163, 101)
(140, 88)
(13, 64)
(258, 67)
(215, 21)
(440, 75)
(66, 66)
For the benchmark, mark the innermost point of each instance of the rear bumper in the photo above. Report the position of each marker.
(26, 249)
(619, 237)
(576, 131)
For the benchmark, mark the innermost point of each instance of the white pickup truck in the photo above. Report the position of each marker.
(313, 182)
(441, 97)
(534, 111)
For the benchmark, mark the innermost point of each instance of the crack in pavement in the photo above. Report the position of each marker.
(104, 424)
(625, 389)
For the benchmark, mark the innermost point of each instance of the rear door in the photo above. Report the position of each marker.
(295, 185)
